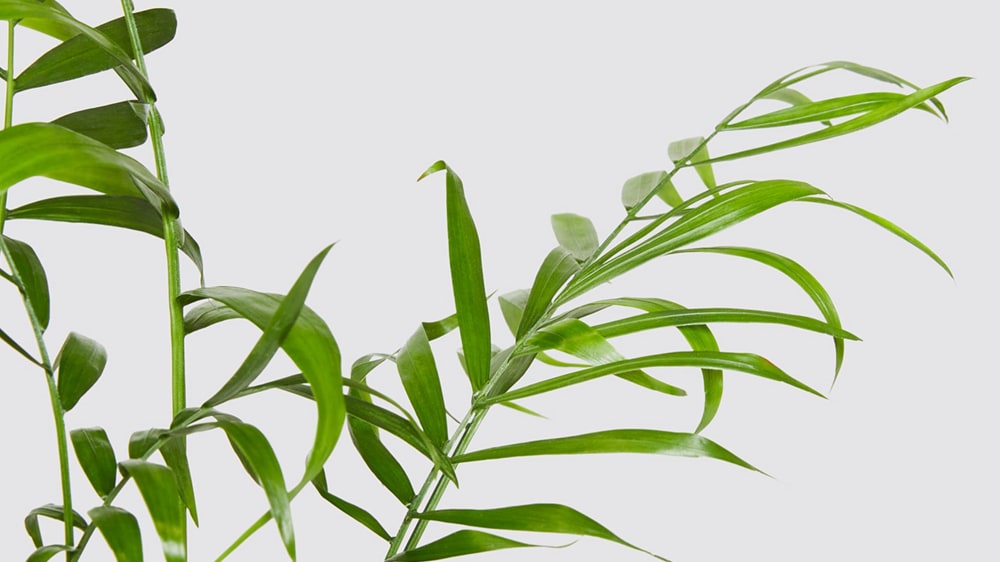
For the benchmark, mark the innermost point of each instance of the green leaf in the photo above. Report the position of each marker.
(34, 283)
(419, 375)
(97, 458)
(539, 518)
(466, 277)
(512, 307)
(873, 117)
(694, 151)
(158, 488)
(645, 441)
(79, 364)
(121, 532)
(637, 189)
(354, 512)
(798, 274)
(460, 543)
(119, 125)
(575, 233)
(823, 110)
(380, 460)
(79, 56)
(43, 149)
(309, 344)
(742, 362)
(440, 328)
(47, 552)
(142, 442)
(886, 225)
(699, 316)
(174, 452)
(19, 348)
(121, 211)
(50, 511)
(555, 270)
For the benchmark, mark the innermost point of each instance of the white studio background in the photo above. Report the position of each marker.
(294, 125)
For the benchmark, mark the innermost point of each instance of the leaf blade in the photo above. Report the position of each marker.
(79, 365)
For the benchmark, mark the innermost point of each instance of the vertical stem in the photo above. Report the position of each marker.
(171, 228)
(57, 410)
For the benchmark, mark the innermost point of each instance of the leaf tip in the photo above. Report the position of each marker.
(433, 169)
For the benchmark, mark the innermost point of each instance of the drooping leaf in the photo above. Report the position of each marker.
(695, 152)
(460, 543)
(133, 213)
(823, 110)
(645, 441)
(43, 149)
(50, 511)
(575, 233)
(354, 512)
(121, 532)
(47, 552)
(79, 364)
(158, 488)
(97, 458)
(118, 125)
(539, 517)
(34, 282)
(52, 19)
(174, 452)
(380, 460)
(439, 328)
(699, 316)
(466, 277)
(419, 375)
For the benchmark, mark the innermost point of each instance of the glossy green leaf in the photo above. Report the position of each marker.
(823, 110)
(159, 492)
(79, 56)
(118, 125)
(54, 20)
(698, 316)
(419, 375)
(637, 189)
(461, 543)
(34, 283)
(354, 512)
(886, 225)
(47, 552)
(539, 518)
(555, 270)
(43, 149)
(97, 458)
(695, 152)
(575, 233)
(798, 274)
(121, 211)
(466, 277)
(50, 511)
(79, 364)
(174, 452)
(872, 117)
(121, 532)
(741, 362)
(309, 344)
(440, 328)
(645, 441)
(142, 442)
(380, 461)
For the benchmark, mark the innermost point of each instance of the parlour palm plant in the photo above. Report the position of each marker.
(561, 334)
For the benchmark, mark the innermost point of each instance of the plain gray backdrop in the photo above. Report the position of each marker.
(293, 125)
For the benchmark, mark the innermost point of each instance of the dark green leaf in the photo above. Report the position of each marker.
(380, 460)
(32, 275)
(466, 277)
(96, 457)
(18, 348)
(539, 517)
(158, 488)
(458, 544)
(47, 552)
(419, 375)
(174, 452)
(645, 441)
(575, 233)
(121, 211)
(121, 532)
(141, 443)
(79, 364)
(354, 512)
(694, 151)
(119, 125)
(50, 511)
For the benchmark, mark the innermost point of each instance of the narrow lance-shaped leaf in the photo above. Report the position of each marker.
(50, 511)
(555, 270)
(34, 282)
(354, 512)
(419, 375)
(79, 364)
(47, 552)
(694, 151)
(645, 441)
(120, 530)
(380, 460)
(159, 491)
(575, 233)
(174, 452)
(460, 543)
(79, 56)
(133, 213)
(539, 518)
(698, 316)
(467, 283)
(118, 125)
(97, 458)
(823, 110)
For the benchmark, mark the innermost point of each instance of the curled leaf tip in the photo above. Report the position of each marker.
(434, 168)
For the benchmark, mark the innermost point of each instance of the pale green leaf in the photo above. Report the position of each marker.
(576, 234)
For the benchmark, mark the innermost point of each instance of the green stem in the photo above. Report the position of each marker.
(171, 229)
(62, 443)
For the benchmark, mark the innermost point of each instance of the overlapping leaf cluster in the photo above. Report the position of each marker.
(555, 314)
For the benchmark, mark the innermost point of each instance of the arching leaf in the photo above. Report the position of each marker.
(354, 512)
(121, 532)
(50, 511)
(118, 125)
(159, 491)
(460, 543)
(34, 282)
